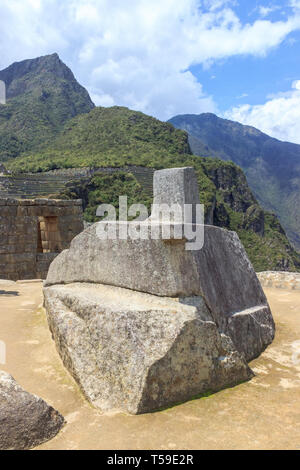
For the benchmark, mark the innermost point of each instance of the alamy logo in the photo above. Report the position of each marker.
(2, 92)
(2, 353)
(166, 222)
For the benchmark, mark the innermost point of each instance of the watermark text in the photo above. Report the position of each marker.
(2, 92)
(166, 222)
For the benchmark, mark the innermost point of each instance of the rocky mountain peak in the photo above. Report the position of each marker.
(43, 72)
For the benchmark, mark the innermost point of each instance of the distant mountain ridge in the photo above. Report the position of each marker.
(272, 167)
(42, 94)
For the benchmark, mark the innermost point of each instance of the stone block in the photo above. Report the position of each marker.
(175, 186)
(137, 352)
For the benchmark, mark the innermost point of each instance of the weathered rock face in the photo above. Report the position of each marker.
(3, 170)
(25, 420)
(255, 220)
(137, 351)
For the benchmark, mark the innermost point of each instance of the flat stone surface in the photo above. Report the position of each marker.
(164, 267)
(26, 420)
(137, 352)
(262, 413)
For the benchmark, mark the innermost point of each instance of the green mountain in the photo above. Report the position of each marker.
(107, 137)
(42, 94)
(272, 167)
(121, 148)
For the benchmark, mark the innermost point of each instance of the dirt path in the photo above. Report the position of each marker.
(261, 414)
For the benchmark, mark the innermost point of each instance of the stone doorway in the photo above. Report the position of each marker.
(49, 239)
(35, 232)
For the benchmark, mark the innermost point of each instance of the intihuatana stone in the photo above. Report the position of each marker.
(26, 420)
(189, 324)
(220, 272)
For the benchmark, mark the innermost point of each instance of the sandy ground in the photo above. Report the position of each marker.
(261, 414)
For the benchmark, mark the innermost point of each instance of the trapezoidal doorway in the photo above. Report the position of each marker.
(48, 237)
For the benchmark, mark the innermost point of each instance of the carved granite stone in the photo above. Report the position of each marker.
(144, 323)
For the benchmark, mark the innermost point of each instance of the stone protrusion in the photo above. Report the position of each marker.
(175, 186)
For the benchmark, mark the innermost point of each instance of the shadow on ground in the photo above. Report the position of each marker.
(8, 293)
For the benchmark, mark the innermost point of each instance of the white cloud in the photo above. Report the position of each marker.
(295, 4)
(137, 53)
(217, 4)
(265, 11)
(278, 117)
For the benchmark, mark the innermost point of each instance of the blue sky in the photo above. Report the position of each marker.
(250, 79)
(237, 58)
(244, 79)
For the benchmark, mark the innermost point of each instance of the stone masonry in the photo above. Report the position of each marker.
(33, 232)
(280, 280)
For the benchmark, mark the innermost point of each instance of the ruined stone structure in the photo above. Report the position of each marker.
(144, 323)
(280, 280)
(33, 232)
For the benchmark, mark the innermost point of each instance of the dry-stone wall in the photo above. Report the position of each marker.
(280, 280)
(33, 232)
